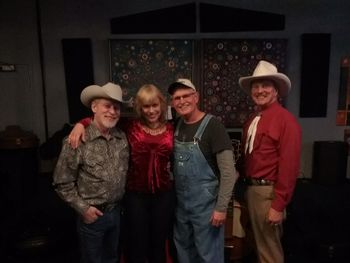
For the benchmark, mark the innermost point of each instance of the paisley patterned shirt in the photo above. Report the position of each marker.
(95, 172)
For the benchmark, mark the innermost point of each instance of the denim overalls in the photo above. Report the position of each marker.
(196, 184)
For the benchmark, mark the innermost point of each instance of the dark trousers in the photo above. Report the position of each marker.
(99, 241)
(149, 219)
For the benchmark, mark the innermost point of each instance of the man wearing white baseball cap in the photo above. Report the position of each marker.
(91, 178)
(271, 158)
(204, 174)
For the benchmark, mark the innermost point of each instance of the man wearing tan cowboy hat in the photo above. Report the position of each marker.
(271, 158)
(91, 178)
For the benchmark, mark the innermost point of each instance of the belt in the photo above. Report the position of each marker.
(254, 181)
(106, 207)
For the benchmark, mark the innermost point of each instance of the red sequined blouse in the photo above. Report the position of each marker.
(149, 169)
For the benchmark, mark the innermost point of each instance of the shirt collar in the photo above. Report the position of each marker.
(93, 132)
(270, 108)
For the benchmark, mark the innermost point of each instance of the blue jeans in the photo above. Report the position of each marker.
(99, 241)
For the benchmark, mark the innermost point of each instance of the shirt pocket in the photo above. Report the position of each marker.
(95, 166)
(264, 142)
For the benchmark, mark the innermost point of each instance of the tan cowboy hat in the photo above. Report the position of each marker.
(266, 70)
(180, 82)
(107, 91)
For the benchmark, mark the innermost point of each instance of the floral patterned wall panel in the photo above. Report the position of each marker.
(138, 62)
(223, 63)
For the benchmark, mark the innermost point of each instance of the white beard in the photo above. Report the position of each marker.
(109, 124)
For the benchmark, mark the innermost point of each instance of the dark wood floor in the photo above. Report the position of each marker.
(43, 230)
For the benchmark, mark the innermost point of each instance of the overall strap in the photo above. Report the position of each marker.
(176, 133)
(201, 128)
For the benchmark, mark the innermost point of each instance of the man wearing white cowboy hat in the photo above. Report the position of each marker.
(271, 158)
(91, 178)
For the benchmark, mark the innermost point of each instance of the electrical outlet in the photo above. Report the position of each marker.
(7, 68)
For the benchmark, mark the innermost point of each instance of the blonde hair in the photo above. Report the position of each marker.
(148, 94)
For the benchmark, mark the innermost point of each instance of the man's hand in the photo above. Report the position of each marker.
(91, 215)
(218, 218)
(77, 134)
(275, 217)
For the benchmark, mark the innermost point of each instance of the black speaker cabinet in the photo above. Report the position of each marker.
(329, 162)
(78, 67)
(314, 75)
(317, 226)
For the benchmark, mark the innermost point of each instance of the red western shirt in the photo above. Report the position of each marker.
(276, 152)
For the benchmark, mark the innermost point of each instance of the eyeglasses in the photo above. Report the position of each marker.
(184, 97)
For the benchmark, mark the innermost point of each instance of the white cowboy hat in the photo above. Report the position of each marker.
(180, 82)
(107, 91)
(266, 70)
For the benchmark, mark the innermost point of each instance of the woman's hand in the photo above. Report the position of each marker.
(77, 134)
